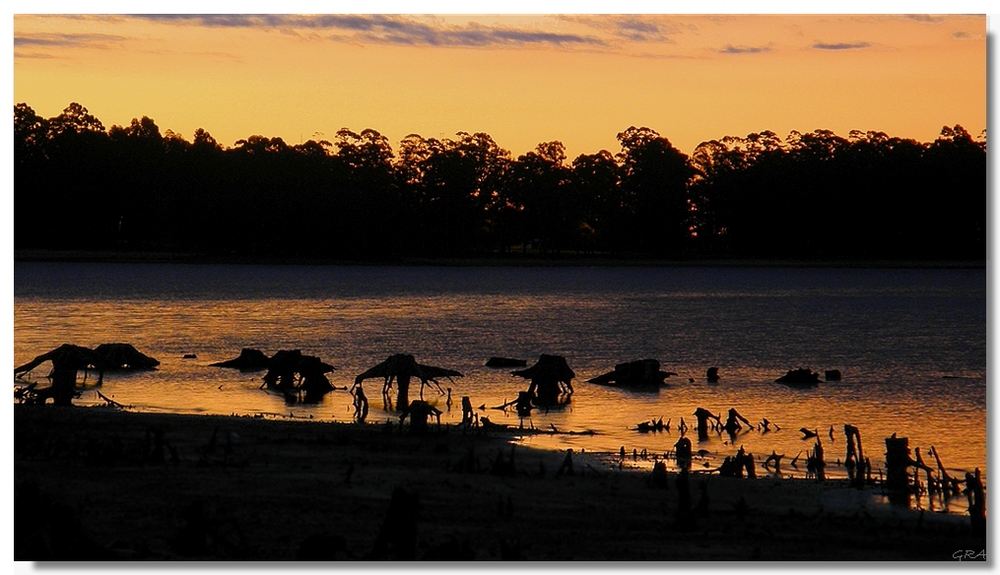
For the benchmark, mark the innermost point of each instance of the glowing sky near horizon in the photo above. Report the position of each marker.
(524, 79)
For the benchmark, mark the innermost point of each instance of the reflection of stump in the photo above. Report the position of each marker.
(897, 479)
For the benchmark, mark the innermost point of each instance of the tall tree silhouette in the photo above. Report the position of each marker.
(813, 195)
(538, 199)
(654, 188)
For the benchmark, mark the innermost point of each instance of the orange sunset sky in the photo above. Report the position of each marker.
(523, 79)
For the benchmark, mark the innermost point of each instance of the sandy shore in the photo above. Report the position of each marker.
(98, 484)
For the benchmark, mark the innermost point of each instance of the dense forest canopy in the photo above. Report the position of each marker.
(809, 196)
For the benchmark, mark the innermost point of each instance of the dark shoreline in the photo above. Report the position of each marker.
(495, 260)
(91, 484)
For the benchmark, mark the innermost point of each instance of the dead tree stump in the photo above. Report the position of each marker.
(897, 478)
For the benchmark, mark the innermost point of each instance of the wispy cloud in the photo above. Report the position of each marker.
(33, 55)
(66, 40)
(388, 29)
(629, 27)
(925, 18)
(730, 49)
(842, 46)
(963, 35)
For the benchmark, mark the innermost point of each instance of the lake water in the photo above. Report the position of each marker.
(910, 343)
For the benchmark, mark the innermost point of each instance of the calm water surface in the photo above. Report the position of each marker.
(911, 344)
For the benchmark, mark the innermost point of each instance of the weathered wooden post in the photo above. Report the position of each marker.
(897, 478)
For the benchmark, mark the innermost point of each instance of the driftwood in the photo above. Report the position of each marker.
(651, 425)
(774, 459)
(110, 402)
(733, 422)
(949, 484)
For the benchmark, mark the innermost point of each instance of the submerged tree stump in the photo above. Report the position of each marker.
(551, 377)
(703, 416)
(401, 368)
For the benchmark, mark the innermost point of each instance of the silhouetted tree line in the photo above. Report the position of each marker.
(79, 185)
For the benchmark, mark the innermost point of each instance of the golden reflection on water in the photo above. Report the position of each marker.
(895, 346)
